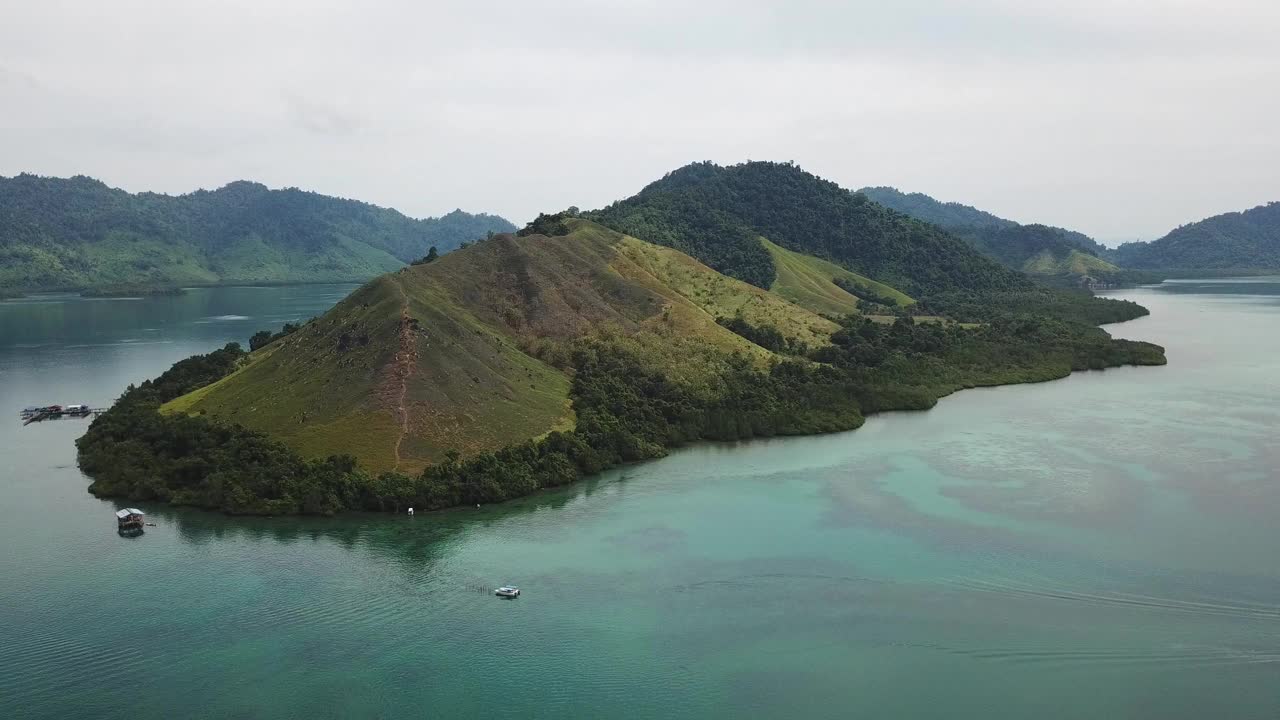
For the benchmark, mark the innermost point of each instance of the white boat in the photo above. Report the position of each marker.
(507, 591)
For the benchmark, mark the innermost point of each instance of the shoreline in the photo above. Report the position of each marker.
(864, 418)
(597, 477)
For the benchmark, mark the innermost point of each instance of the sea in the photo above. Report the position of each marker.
(1102, 546)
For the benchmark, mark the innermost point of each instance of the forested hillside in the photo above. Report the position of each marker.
(718, 215)
(78, 233)
(1246, 241)
(1036, 249)
(943, 214)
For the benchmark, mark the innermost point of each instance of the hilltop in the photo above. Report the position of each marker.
(718, 215)
(1245, 242)
(524, 362)
(78, 233)
(1035, 249)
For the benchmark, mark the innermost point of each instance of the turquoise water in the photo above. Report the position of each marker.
(1100, 546)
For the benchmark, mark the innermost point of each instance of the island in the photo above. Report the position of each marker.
(717, 304)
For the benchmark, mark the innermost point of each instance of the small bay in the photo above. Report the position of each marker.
(1098, 546)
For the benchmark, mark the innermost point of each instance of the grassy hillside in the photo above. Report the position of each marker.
(1034, 249)
(467, 353)
(1246, 241)
(77, 232)
(1073, 263)
(717, 214)
(811, 283)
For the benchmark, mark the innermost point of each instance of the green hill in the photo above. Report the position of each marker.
(450, 355)
(1075, 262)
(78, 233)
(1034, 249)
(717, 214)
(1244, 242)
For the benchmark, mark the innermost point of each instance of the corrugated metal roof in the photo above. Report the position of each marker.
(126, 512)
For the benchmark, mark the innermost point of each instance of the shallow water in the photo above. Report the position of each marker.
(1100, 546)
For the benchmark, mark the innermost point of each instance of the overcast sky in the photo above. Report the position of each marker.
(1120, 119)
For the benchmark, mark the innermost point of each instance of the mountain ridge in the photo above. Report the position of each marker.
(1245, 241)
(716, 213)
(59, 233)
(1034, 248)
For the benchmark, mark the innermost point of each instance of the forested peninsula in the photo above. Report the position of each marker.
(719, 303)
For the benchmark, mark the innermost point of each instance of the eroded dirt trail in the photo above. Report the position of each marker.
(406, 360)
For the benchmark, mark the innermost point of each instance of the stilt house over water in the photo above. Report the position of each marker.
(130, 519)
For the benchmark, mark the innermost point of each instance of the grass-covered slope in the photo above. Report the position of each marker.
(1034, 249)
(1246, 241)
(467, 353)
(1073, 263)
(77, 232)
(717, 214)
(823, 286)
(392, 375)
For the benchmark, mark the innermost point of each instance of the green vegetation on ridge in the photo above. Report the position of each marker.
(1247, 242)
(78, 233)
(1035, 249)
(717, 214)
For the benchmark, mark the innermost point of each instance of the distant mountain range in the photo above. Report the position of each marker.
(1034, 249)
(1238, 242)
(1243, 242)
(77, 232)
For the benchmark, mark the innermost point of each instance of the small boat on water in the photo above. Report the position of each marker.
(507, 591)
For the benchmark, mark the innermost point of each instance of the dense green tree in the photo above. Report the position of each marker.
(551, 225)
(431, 256)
